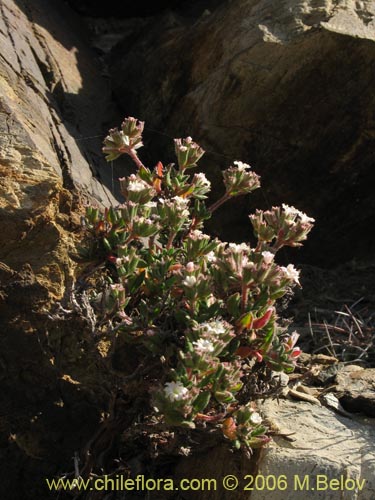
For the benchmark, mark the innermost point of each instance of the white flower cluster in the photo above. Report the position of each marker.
(175, 391)
(135, 184)
(242, 247)
(291, 273)
(196, 234)
(213, 327)
(202, 180)
(203, 345)
(241, 166)
(294, 212)
(177, 203)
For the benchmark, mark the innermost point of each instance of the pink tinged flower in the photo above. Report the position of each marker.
(268, 257)
(196, 235)
(190, 267)
(175, 391)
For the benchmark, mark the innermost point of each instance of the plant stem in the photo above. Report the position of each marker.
(219, 202)
(244, 296)
(170, 240)
(133, 155)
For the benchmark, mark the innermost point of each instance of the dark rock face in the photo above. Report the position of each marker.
(286, 87)
(51, 95)
(139, 8)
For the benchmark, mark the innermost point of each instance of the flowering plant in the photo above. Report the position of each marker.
(200, 311)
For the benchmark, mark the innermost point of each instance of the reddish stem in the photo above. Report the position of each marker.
(244, 296)
(219, 202)
(133, 155)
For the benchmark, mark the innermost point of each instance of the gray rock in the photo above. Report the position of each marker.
(325, 447)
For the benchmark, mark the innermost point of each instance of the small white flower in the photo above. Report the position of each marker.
(180, 203)
(182, 148)
(189, 281)
(175, 391)
(118, 261)
(211, 257)
(137, 186)
(291, 273)
(203, 345)
(294, 212)
(241, 166)
(255, 418)
(268, 257)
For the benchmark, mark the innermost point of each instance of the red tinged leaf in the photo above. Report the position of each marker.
(159, 169)
(157, 181)
(295, 352)
(261, 322)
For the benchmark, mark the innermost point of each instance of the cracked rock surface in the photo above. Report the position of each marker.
(52, 94)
